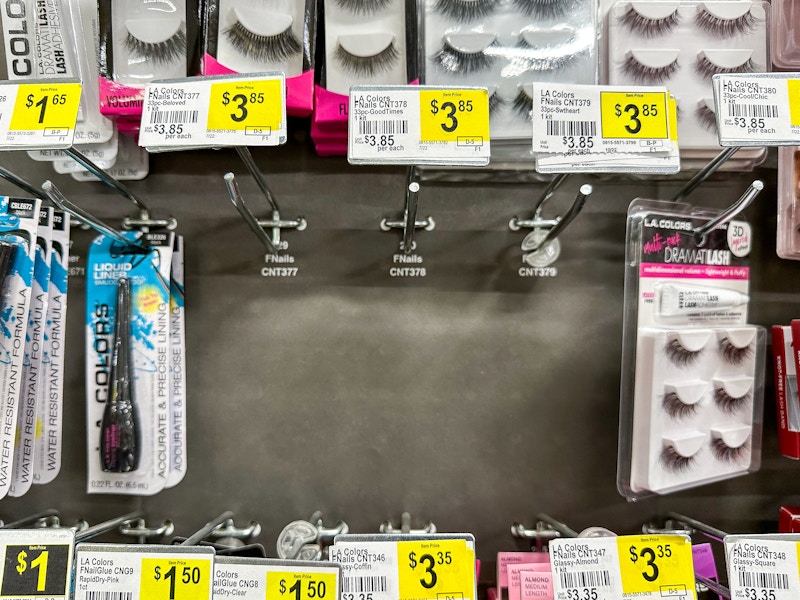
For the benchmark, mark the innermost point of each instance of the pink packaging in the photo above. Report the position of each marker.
(530, 582)
(505, 560)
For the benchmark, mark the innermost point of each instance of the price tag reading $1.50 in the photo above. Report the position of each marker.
(625, 567)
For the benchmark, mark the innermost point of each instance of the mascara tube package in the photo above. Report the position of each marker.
(366, 43)
(140, 42)
(50, 419)
(33, 370)
(247, 36)
(692, 382)
(177, 369)
(127, 367)
(18, 225)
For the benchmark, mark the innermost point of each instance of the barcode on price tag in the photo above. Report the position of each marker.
(418, 125)
(763, 567)
(203, 112)
(36, 563)
(124, 572)
(39, 115)
(757, 109)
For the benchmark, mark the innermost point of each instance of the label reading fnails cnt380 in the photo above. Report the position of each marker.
(418, 125)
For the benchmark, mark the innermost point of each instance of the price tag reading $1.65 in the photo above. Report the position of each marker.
(228, 110)
(625, 567)
(38, 115)
(418, 125)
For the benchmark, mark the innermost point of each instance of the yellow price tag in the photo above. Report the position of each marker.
(793, 86)
(251, 106)
(175, 579)
(40, 107)
(660, 564)
(460, 116)
(634, 115)
(443, 569)
(297, 585)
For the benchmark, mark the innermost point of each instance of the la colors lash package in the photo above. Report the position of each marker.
(140, 42)
(50, 413)
(367, 42)
(19, 221)
(256, 36)
(692, 384)
(506, 46)
(128, 364)
(681, 45)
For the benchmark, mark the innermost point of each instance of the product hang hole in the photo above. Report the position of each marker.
(655, 59)
(153, 31)
(649, 10)
(741, 338)
(470, 43)
(690, 392)
(693, 341)
(263, 22)
(735, 387)
(732, 436)
(727, 59)
(729, 11)
(366, 44)
(687, 444)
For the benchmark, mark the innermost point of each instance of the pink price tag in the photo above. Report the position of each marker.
(515, 576)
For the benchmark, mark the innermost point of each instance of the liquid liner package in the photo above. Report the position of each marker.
(247, 36)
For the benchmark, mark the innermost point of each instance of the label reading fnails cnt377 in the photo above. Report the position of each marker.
(418, 125)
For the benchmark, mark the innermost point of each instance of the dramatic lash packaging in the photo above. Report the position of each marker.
(140, 42)
(367, 42)
(681, 45)
(506, 47)
(692, 367)
(255, 36)
(786, 358)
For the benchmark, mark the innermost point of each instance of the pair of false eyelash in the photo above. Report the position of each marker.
(678, 409)
(705, 68)
(160, 53)
(452, 60)
(367, 66)
(522, 104)
(465, 11)
(716, 26)
(677, 463)
(363, 7)
(263, 48)
(732, 354)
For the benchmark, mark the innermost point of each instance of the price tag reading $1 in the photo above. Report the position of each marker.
(623, 568)
(36, 563)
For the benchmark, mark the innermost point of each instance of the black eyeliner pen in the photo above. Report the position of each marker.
(119, 434)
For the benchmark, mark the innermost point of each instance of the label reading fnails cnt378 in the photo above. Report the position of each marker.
(418, 125)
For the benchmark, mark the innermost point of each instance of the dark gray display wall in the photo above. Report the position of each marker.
(472, 397)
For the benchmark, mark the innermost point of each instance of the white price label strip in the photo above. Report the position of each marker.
(758, 109)
(267, 579)
(36, 563)
(38, 115)
(418, 125)
(591, 119)
(763, 568)
(626, 567)
(125, 572)
(209, 112)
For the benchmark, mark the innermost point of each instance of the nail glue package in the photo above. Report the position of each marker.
(128, 363)
(692, 368)
(50, 414)
(682, 45)
(140, 42)
(19, 220)
(33, 376)
(506, 47)
(257, 36)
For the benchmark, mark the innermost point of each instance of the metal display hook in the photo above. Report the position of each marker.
(20, 183)
(144, 222)
(541, 244)
(138, 528)
(275, 223)
(544, 531)
(706, 172)
(308, 540)
(409, 224)
(34, 520)
(693, 525)
(228, 534)
(206, 529)
(61, 202)
(96, 530)
(405, 526)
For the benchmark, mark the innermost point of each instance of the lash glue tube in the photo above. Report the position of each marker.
(676, 299)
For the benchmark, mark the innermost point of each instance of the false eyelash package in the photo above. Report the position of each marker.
(506, 46)
(256, 36)
(681, 45)
(692, 385)
(140, 42)
(367, 42)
